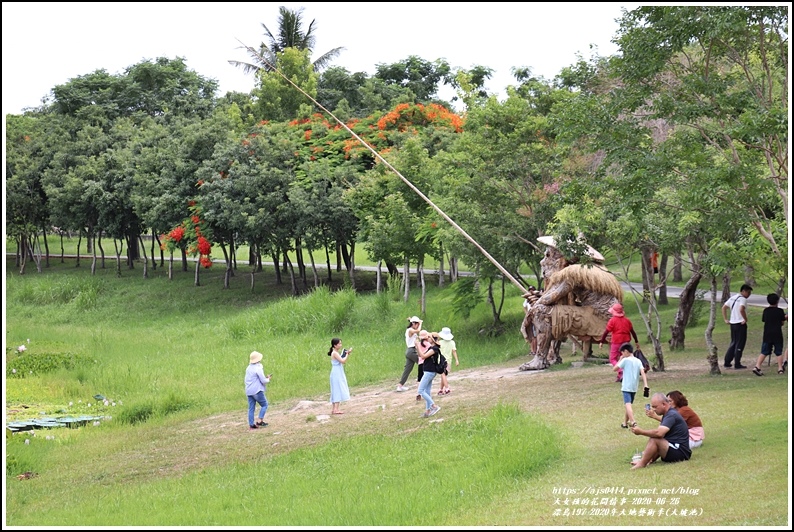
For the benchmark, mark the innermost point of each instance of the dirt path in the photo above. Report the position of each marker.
(374, 409)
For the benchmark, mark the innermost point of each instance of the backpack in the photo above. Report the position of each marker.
(641, 357)
(441, 365)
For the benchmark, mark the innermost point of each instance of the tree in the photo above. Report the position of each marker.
(277, 99)
(290, 35)
(721, 72)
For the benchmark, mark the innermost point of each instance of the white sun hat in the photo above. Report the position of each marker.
(445, 334)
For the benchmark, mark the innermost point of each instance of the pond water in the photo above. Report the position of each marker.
(51, 423)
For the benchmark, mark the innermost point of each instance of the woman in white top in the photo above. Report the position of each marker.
(411, 357)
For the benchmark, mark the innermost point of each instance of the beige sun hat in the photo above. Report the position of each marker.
(256, 356)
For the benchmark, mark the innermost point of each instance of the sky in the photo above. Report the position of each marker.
(48, 43)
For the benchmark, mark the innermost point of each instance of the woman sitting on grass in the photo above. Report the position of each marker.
(693, 422)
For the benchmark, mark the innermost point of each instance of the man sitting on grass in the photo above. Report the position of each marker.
(670, 440)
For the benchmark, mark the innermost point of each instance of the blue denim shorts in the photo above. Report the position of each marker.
(628, 397)
(766, 348)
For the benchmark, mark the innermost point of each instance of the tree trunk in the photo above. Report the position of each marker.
(196, 275)
(79, 241)
(46, 249)
(228, 262)
(378, 277)
(145, 258)
(663, 280)
(441, 266)
(328, 263)
(713, 358)
(351, 272)
(291, 270)
(685, 303)
(274, 255)
(780, 285)
(420, 267)
(406, 280)
(749, 275)
(101, 249)
(678, 274)
(118, 257)
(726, 287)
(93, 254)
(647, 274)
(62, 250)
(154, 259)
(345, 255)
(23, 252)
(171, 266)
(314, 269)
(301, 263)
(162, 252)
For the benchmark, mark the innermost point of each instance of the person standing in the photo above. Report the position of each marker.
(632, 370)
(670, 440)
(773, 318)
(622, 331)
(430, 361)
(411, 357)
(339, 389)
(422, 345)
(449, 350)
(737, 306)
(255, 385)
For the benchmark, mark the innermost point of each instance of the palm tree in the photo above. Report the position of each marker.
(290, 35)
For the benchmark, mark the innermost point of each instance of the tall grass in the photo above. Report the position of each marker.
(171, 356)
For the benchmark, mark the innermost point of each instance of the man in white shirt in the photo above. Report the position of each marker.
(736, 305)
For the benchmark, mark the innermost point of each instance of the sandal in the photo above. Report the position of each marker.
(633, 424)
(440, 392)
(780, 372)
(624, 426)
(759, 372)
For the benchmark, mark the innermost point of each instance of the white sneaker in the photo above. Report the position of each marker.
(434, 410)
(401, 388)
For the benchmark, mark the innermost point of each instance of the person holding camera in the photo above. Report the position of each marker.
(669, 441)
(430, 358)
(632, 370)
(339, 389)
(693, 423)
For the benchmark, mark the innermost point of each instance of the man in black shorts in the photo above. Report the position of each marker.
(670, 440)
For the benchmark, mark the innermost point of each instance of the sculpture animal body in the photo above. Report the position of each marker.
(575, 301)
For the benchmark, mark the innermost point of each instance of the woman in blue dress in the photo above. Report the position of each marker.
(339, 390)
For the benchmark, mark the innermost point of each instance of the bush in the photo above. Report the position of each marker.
(137, 413)
(32, 361)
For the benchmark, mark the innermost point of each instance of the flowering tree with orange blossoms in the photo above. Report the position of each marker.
(191, 237)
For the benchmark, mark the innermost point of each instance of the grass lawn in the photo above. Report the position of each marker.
(509, 448)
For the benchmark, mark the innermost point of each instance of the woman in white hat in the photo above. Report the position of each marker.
(449, 350)
(255, 386)
(411, 357)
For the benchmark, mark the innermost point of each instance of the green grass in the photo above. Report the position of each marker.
(172, 355)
